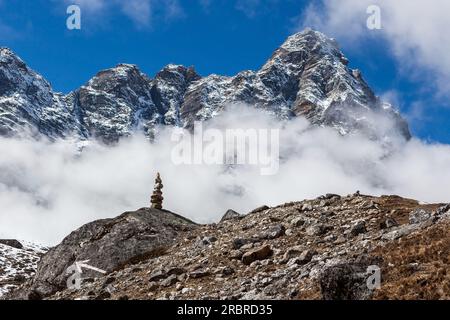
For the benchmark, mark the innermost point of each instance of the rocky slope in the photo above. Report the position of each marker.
(18, 263)
(313, 249)
(307, 76)
(108, 245)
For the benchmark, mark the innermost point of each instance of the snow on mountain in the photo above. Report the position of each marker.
(28, 102)
(169, 88)
(307, 76)
(17, 264)
(115, 103)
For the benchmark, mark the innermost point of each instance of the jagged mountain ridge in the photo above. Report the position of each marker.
(307, 76)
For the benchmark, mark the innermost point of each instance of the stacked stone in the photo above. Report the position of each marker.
(157, 198)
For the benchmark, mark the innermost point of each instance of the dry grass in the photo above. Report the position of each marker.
(417, 267)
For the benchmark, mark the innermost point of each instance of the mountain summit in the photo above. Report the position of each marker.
(306, 76)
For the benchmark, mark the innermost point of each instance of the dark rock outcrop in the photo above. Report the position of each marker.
(344, 282)
(230, 215)
(418, 216)
(12, 243)
(108, 244)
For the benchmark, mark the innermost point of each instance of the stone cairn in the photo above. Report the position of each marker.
(157, 198)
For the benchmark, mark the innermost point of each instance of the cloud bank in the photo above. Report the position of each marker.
(49, 189)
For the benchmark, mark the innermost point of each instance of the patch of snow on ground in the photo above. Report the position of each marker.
(18, 265)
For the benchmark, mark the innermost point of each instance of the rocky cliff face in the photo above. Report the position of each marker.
(115, 103)
(307, 76)
(27, 102)
(313, 249)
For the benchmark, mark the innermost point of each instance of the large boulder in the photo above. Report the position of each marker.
(349, 279)
(108, 244)
(419, 215)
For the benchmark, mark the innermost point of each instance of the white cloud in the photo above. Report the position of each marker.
(249, 7)
(46, 191)
(173, 10)
(415, 29)
(141, 12)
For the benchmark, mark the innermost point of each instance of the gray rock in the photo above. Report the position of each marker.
(240, 242)
(230, 215)
(358, 228)
(418, 216)
(289, 232)
(297, 222)
(291, 252)
(227, 271)
(303, 258)
(254, 295)
(306, 256)
(158, 275)
(318, 229)
(330, 238)
(399, 232)
(345, 281)
(236, 254)
(275, 232)
(389, 223)
(444, 211)
(208, 240)
(259, 209)
(110, 244)
(257, 254)
(176, 271)
(330, 196)
(247, 246)
(169, 281)
(199, 274)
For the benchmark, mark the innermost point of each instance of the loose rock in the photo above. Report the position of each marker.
(418, 216)
(258, 254)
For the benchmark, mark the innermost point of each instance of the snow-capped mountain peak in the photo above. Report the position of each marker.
(306, 76)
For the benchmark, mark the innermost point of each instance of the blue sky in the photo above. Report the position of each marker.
(227, 36)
